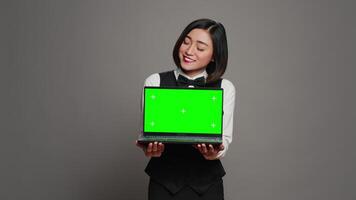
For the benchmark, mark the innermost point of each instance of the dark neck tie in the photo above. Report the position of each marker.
(185, 82)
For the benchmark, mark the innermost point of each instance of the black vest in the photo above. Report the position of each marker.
(180, 164)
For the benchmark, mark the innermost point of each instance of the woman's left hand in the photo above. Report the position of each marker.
(208, 151)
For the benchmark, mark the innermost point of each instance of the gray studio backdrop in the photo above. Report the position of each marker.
(71, 80)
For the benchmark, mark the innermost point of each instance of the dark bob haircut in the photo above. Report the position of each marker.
(216, 68)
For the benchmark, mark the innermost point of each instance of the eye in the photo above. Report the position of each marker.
(186, 40)
(200, 48)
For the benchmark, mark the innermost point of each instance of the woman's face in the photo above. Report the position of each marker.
(196, 51)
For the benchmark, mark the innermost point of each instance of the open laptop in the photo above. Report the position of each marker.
(182, 115)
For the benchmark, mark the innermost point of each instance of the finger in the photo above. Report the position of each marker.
(154, 149)
(200, 148)
(157, 153)
(221, 147)
(149, 147)
(204, 148)
(211, 149)
(139, 144)
(160, 147)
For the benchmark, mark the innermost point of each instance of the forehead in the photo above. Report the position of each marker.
(200, 35)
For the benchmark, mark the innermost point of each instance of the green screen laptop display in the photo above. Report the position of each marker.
(183, 110)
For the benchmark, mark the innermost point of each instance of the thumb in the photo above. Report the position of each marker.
(221, 147)
(139, 144)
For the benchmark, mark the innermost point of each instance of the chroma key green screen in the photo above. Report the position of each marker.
(188, 110)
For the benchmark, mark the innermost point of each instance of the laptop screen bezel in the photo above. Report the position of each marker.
(179, 133)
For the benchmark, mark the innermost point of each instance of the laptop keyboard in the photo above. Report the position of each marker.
(183, 139)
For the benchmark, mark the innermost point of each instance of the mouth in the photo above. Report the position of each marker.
(188, 60)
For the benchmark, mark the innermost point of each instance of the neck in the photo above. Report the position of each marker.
(192, 73)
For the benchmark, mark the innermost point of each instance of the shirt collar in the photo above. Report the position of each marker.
(178, 72)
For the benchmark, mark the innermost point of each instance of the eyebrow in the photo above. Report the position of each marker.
(198, 41)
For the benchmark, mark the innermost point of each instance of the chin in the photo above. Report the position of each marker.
(189, 68)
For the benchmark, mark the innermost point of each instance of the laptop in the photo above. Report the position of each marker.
(182, 115)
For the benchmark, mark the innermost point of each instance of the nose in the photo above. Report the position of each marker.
(189, 50)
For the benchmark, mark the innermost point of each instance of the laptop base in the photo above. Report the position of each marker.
(180, 140)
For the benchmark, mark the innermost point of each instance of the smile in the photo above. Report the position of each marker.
(187, 59)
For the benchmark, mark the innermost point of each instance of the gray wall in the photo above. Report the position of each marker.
(72, 73)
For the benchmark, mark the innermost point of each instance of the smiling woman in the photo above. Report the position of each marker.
(204, 41)
(183, 171)
(196, 52)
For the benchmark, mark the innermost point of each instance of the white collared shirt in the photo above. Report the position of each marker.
(229, 103)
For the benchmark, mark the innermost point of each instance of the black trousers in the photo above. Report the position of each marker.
(157, 191)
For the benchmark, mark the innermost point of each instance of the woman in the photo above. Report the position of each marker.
(193, 171)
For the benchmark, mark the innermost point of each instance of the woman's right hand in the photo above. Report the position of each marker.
(152, 149)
